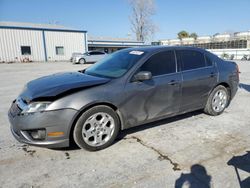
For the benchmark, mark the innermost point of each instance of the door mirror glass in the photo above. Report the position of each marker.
(143, 75)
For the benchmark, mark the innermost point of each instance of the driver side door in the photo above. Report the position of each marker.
(155, 98)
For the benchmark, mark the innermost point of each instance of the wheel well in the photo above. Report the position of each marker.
(227, 86)
(71, 139)
(82, 58)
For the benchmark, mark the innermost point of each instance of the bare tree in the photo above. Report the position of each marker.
(141, 22)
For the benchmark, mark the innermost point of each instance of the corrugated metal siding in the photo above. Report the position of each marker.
(11, 41)
(72, 42)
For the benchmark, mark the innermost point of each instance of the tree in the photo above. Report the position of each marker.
(216, 34)
(183, 34)
(141, 22)
(193, 35)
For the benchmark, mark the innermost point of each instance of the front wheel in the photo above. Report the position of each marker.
(217, 101)
(96, 128)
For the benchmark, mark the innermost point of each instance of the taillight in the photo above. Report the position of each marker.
(238, 70)
(237, 67)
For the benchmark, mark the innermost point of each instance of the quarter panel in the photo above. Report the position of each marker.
(228, 74)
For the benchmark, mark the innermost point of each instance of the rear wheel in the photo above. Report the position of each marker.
(96, 128)
(82, 61)
(217, 101)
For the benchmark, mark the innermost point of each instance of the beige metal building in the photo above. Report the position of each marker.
(39, 42)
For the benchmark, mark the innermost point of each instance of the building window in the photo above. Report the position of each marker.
(59, 50)
(25, 50)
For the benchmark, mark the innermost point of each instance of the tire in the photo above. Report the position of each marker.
(82, 61)
(96, 128)
(217, 101)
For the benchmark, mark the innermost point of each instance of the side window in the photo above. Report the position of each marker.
(99, 53)
(191, 59)
(160, 63)
(209, 62)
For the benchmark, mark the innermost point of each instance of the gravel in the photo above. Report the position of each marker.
(159, 154)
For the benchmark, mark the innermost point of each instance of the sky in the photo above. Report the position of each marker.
(110, 18)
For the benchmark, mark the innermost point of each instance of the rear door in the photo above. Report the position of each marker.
(158, 97)
(199, 76)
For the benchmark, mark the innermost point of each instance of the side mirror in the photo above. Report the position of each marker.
(142, 76)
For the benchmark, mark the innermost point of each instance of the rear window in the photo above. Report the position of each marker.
(96, 53)
(191, 59)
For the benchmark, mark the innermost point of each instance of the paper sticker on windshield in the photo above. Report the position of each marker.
(134, 52)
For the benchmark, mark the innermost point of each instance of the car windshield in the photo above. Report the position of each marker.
(115, 65)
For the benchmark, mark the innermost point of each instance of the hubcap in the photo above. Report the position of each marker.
(219, 101)
(98, 129)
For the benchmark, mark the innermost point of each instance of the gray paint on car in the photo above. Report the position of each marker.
(136, 102)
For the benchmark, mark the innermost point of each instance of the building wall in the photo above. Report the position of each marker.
(71, 42)
(110, 46)
(238, 53)
(237, 45)
(11, 41)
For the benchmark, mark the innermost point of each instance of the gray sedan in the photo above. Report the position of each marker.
(126, 89)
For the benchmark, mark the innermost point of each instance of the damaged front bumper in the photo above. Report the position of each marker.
(39, 128)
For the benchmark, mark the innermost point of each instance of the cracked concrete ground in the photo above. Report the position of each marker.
(159, 154)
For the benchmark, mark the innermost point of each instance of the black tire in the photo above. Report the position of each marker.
(82, 61)
(208, 108)
(77, 132)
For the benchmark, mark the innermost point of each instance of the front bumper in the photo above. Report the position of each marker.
(75, 60)
(50, 121)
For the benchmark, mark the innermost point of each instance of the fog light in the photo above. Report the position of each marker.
(38, 134)
(56, 134)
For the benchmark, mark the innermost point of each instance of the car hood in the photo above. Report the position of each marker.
(55, 85)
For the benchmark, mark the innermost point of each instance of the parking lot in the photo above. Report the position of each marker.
(159, 154)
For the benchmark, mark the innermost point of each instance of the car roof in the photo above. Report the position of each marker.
(95, 51)
(157, 48)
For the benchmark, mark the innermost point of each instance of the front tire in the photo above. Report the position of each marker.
(96, 128)
(217, 101)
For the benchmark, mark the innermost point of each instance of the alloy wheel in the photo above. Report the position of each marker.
(98, 129)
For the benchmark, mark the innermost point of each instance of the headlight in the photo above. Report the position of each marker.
(36, 107)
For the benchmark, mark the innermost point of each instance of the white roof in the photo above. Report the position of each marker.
(35, 25)
(114, 39)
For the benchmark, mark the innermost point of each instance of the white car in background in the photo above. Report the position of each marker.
(89, 57)
(74, 55)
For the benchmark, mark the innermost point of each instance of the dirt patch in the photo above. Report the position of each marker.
(161, 156)
(67, 155)
(26, 149)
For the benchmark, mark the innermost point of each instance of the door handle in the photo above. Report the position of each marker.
(173, 82)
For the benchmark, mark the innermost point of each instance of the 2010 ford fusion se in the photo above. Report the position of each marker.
(127, 88)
